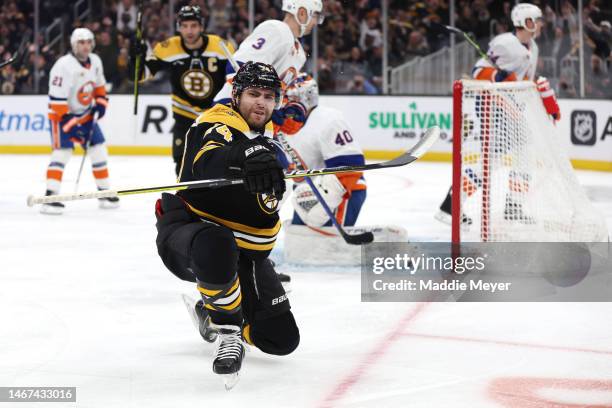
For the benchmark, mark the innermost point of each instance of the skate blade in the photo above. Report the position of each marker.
(444, 218)
(190, 305)
(51, 210)
(230, 380)
(447, 219)
(106, 205)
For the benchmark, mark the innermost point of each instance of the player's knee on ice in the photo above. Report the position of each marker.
(277, 335)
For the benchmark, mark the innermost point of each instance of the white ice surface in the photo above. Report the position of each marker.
(85, 301)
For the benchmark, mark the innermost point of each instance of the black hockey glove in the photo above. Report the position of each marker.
(255, 162)
(137, 48)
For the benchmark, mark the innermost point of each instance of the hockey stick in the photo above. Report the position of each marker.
(17, 55)
(430, 137)
(85, 150)
(357, 239)
(138, 61)
(229, 56)
(454, 30)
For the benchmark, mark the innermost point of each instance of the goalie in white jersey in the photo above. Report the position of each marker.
(77, 98)
(325, 140)
(277, 43)
(511, 57)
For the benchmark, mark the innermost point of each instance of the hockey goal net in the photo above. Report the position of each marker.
(512, 180)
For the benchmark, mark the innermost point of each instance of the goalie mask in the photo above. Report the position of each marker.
(304, 89)
(81, 34)
(255, 75)
(311, 7)
(523, 12)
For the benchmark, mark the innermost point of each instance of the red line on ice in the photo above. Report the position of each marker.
(371, 358)
(509, 343)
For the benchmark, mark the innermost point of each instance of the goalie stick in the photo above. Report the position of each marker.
(17, 55)
(430, 137)
(356, 239)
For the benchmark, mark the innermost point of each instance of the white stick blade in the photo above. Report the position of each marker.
(431, 136)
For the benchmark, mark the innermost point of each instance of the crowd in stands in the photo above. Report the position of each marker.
(350, 42)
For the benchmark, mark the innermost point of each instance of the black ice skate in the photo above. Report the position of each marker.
(514, 212)
(284, 278)
(109, 203)
(229, 354)
(200, 318)
(52, 208)
(444, 215)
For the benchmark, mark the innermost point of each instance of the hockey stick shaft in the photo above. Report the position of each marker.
(357, 239)
(138, 61)
(430, 137)
(229, 56)
(85, 150)
(470, 40)
(17, 53)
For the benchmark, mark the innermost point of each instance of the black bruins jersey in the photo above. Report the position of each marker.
(253, 218)
(196, 75)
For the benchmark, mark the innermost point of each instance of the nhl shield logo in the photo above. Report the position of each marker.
(584, 128)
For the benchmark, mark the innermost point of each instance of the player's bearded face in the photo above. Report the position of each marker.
(190, 31)
(256, 106)
(83, 49)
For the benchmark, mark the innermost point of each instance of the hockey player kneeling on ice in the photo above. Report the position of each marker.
(76, 96)
(221, 238)
(315, 136)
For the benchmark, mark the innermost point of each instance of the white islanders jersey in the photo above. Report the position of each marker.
(71, 81)
(511, 55)
(272, 42)
(325, 137)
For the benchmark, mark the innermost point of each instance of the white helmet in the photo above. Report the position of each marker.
(80, 34)
(304, 89)
(311, 6)
(523, 12)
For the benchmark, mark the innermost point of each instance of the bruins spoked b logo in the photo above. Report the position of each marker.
(197, 84)
(268, 203)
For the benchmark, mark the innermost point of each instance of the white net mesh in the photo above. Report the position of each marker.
(517, 183)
